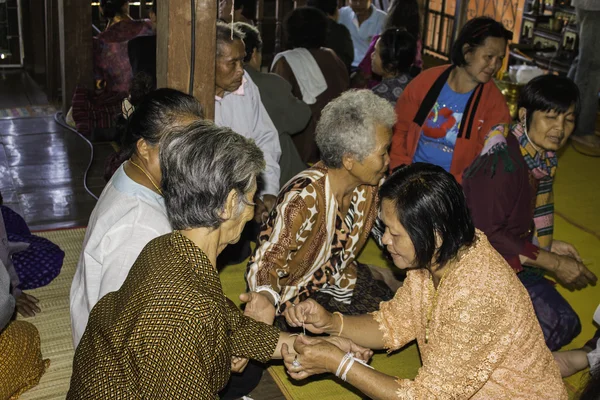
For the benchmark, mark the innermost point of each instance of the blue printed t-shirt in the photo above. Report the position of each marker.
(439, 132)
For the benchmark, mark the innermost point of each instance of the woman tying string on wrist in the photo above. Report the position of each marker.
(471, 317)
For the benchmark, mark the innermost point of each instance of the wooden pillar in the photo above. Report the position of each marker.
(174, 49)
(75, 31)
(142, 10)
(260, 14)
(278, 26)
(52, 50)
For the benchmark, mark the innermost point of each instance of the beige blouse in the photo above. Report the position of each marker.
(485, 341)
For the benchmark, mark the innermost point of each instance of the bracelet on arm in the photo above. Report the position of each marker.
(274, 294)
(346, 364)
(345, 359)
(341, 320)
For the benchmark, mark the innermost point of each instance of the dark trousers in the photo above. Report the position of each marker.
(240, 385)
(559, 322)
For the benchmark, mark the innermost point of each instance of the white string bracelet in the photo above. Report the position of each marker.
(347, 356)
(346, 365)
(274, 294)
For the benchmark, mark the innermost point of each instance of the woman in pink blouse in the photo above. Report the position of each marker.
(471, 317)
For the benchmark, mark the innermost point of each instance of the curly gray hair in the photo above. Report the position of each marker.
(347, 126)
(200, 165)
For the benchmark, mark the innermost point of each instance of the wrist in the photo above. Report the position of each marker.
(554, 263)
(332, 327)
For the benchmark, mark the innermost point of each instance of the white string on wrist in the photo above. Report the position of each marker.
(274, 294)
(346, 364)
(349, 365)
(346, 357)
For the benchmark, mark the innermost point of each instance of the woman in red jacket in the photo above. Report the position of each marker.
(445, 113)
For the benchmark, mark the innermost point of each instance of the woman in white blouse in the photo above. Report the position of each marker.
(130, 211)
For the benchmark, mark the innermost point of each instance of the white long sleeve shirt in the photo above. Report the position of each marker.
(243, 112)
(126, 217)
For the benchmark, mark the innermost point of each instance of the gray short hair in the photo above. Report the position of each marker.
(347, 126)
(200, 165)
(225, 32)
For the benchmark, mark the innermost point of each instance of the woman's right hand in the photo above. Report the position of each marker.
(309, 314)
(314, 356)
(573, 274)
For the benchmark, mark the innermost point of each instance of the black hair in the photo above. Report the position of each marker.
(329, 7)
(110, 8)
(404, 14)
(154, 115)
(429, 201)
(305, 27)
(592, 388)
(154, 6)
(549, 93)
(474, 34)
(225, 32)
(252, 39)
(397, 49)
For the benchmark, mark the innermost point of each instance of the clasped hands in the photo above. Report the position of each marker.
(570, 270)
(317, 355)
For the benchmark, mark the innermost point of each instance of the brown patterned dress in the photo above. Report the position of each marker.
(308, 249)
(168, 333)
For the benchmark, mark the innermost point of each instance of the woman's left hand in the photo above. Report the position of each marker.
(565, 249)
(315, 356)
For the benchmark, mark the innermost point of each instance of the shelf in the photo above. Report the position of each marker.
(547, 34)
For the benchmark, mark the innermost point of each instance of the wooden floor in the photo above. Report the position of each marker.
(42, 167)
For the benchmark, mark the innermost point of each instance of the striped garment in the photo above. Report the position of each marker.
(307, 246)
(542, 166)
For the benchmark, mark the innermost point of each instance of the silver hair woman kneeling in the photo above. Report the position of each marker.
(324, 215)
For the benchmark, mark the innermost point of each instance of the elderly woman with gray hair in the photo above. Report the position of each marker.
(169, 331)
(323, 217)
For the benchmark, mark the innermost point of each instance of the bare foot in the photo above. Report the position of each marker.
(571, 361)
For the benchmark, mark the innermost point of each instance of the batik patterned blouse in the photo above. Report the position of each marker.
(307, 245)
(485, 341)
(169, 332)
(111, 58)
(391, 88)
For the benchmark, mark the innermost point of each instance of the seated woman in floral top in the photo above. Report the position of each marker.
(393, 56)
(323, 217)
(469, 314)
(509, 191)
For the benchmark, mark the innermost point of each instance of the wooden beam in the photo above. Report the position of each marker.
(174, 49)
(75, 31)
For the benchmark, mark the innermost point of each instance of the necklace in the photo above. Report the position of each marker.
(434, 302)
(148, 176)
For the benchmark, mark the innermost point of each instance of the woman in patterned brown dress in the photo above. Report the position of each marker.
(324, 216)
(169, 331)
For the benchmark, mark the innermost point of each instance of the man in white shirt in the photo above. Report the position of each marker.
(239, 107)
(363, 21)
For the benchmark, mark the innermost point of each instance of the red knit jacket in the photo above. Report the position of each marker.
(485, 109)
